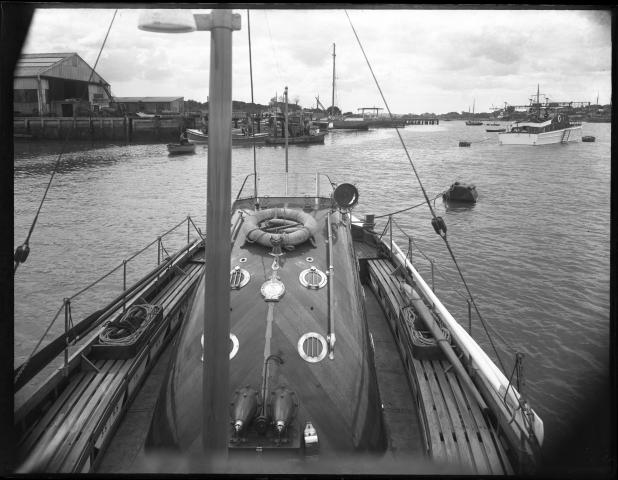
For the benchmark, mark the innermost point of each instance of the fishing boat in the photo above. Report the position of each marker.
(178, 148)
(272, 340)
(473, 122)
(545, 125)
(197, 136)
(350, 123)
(316, 138)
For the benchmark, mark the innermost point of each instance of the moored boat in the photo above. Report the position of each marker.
(177, 148)
(545, 125)
(316, 138)
(197, 136)
(277, 331)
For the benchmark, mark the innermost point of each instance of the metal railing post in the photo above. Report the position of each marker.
(410, 249)
(469, 316)
(67, 303)
(158, 250)
(390, 226)
(188, 229)
(433, 284)
(124, 285)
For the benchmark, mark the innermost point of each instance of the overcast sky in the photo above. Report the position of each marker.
(425, 60)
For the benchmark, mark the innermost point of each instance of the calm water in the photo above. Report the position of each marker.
(535, 249)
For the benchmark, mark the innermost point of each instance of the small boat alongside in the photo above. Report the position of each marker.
(179, 148)
(498, 130)
(588, 138)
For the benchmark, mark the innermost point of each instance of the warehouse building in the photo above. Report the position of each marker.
(151, 105)
(58, 84)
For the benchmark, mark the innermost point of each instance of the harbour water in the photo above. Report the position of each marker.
(534, 250)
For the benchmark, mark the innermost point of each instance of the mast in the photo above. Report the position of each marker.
(215, 380)
(285, 112)
(332, 109)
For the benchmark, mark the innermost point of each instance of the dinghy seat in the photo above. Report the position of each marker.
(271, 226)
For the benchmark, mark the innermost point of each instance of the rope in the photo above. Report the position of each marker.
(21, 253)
(437, 222)
(115, 333)
(406, 209)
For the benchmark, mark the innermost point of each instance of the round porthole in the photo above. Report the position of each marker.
(233, 348)
(312, 278)
(243, 260)
(312, 347)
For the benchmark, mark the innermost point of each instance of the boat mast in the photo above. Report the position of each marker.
(215, 380)
(285, 116)
(332, 103)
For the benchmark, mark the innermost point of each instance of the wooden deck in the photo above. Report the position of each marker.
(79, 423)
(453, 430)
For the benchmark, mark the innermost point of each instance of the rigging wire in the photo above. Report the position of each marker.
(21, 253)
(437, 222)
(255, 191)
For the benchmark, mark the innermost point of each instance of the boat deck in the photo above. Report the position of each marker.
(451, 426)
(78, 424)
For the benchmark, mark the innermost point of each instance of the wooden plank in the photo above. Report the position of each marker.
(497, 457)
(59, 427)
(27, 441)
(72, 423)
(79, 435)
(436, 444)
(446, 426)
(467, 442)
(477, 425)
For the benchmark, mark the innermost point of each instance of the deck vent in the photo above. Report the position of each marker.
(312, 278)
(239, 277)
(312, 347)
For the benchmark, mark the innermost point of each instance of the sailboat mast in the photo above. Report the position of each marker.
(332, 103)
(285, 112)
(216, 367)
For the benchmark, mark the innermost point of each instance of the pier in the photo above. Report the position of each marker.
(419, 120)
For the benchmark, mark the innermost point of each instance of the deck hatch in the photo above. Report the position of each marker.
(312, 278)
(312, 347)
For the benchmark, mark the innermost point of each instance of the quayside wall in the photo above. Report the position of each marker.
(128, 129)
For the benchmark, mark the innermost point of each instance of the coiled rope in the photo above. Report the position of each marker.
(21, 252)
(437, 222)
(127, 329)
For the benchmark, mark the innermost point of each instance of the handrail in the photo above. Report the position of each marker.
(24, 372)
(331, 338)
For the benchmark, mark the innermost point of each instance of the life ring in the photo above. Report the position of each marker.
(291, 226)
(559, 118)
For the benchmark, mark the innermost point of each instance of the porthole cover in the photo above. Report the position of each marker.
(233, 350)
(312, 347)
(312, 278)
(239, 277)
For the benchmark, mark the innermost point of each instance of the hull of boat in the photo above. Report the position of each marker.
(350, 126)
(198, 137)
(571, 134)
(175, 148)
(304, 139)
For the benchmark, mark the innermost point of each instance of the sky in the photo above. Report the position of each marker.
(425, 60)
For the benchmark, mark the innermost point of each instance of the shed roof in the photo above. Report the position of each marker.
(146, 99)
(44, 64)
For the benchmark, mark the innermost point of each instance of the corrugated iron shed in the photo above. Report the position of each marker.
(68, 66)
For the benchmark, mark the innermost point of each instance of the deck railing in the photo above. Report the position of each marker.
(36, 361)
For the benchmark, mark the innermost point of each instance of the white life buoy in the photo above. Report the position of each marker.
(291, 226)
